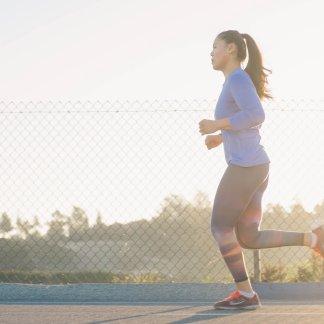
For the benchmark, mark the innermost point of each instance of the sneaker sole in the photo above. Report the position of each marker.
(239, 307)
(318, 228)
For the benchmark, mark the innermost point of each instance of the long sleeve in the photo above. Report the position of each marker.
(251, 111)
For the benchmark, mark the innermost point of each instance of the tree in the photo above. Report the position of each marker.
(24, 227)
(56, 230)
(5, 224)
(78, 224)
(99, 219)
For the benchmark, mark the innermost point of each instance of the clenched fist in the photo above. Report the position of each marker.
(212, 141)
(208, 126)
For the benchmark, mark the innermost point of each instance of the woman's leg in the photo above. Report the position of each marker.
(233, 195)
(250, 237)
(247, 228)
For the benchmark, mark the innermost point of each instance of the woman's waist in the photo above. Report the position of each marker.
(248, 132)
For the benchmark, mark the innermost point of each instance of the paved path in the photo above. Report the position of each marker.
(145, 312)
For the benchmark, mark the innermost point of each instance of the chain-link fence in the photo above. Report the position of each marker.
(123, 191)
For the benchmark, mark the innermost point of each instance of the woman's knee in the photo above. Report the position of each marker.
(247, 237)
(220, 231)
(216, 232)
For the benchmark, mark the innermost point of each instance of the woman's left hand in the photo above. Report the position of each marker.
(208, 126)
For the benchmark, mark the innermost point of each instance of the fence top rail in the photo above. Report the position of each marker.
(117, 106)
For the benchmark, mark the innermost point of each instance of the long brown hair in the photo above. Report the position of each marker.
(254, 67)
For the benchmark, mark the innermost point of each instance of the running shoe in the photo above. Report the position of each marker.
(236, 300)
(319, 247)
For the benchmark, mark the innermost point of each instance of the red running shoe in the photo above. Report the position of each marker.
(319, 247)
(236, 300)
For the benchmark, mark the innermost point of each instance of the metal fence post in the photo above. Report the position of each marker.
(257, 265)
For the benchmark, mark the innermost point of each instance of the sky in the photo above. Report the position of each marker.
(116, 50)
(155, 51)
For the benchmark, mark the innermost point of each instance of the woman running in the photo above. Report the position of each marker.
(237, 209)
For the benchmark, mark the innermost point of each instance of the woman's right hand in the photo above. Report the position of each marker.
(212, 141)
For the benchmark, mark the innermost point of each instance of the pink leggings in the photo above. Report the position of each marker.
(237, 214)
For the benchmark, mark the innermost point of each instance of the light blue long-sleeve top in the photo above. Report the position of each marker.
(240, 102)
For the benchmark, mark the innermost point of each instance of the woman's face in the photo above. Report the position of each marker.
(220, 54)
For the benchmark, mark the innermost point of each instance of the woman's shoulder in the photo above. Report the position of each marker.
(238, 78)
(239, 75)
